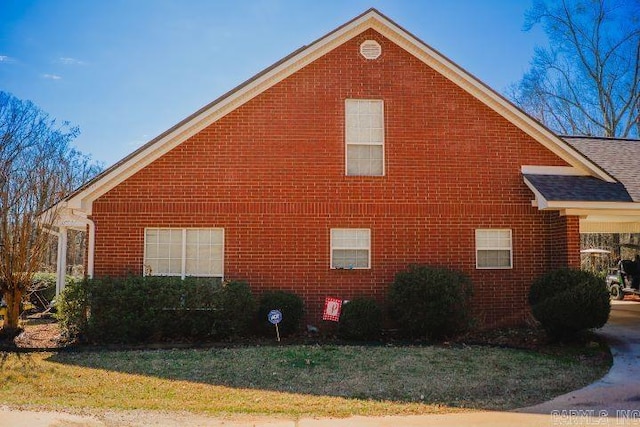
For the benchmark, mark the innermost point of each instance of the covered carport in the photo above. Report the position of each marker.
(620, 158)
(608, 203)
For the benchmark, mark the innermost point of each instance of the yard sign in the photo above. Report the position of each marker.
(332, 308)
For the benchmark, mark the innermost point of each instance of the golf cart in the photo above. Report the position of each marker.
(624, 280)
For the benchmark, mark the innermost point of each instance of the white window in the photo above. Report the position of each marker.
(184, 252)
(364, 137)
(350, 248)
(494, 248)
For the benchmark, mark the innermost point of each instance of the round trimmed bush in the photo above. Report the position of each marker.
(568, 301)
(360, 320)
(288, 303)
(430, 302)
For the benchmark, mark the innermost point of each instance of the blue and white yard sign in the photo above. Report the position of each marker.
(274, 316)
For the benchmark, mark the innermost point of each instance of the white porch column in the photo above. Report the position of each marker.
(91, 248)
(62, 260)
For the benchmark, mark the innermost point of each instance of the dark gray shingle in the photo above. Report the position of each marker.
(619, 157)
(578, 188)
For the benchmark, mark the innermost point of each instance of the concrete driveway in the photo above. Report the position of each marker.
(618, 392)
(612, 401)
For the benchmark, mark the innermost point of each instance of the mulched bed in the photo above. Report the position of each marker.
(41, 332)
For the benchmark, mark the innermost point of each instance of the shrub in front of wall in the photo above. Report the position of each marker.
(72, 309)
(360, 320)
(430, 302)
(149, 309)
(288, 303)
(238, 309)
(188, 308)
(567, 301)
(126, 310)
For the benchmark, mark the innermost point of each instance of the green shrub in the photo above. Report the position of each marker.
(72, 309)
(143, 309)
(288, 303)
(238, 309)
(429, 302)
(567, 301)
(43, 287)
(360, 320)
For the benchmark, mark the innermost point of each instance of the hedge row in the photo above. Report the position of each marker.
(151, 309)
(142, 309)
(425, 302)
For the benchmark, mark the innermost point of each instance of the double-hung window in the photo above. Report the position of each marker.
(364, 137)
(494, 249)
(350, 248)
(184, 252)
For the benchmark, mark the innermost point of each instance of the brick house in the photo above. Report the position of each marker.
(335, 168)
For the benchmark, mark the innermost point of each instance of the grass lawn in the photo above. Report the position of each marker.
(298, 380)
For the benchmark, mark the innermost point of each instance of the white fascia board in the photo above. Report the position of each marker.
(612, 218)
(617, 206)
(540, 202)
(619, 211)
(552, 170)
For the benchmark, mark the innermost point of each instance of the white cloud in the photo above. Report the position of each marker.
(52, 76)
(6, 59)
(66, 60)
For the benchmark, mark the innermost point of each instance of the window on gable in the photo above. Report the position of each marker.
(494, 249)
(351, 248)
(184, 252)
(364, 137)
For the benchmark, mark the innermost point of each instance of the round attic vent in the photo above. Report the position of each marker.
(370, 49)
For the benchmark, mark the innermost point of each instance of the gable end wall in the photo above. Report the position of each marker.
(272, 174)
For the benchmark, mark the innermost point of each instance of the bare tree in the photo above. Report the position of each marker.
(587, 82)
(37, 166)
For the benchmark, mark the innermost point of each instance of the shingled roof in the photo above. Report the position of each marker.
(578, 188)
(619, 157)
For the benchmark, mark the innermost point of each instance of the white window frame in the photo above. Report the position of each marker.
(183, 259)
(332, 248)
(364, 143)
(481, 246)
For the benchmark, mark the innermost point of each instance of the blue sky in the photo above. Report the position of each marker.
(124, 71)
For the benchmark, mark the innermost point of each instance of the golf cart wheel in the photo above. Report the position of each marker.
(616, 292)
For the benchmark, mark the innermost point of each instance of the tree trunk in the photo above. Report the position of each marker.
(11, 326)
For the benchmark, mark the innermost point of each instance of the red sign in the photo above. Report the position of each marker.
(332, 308)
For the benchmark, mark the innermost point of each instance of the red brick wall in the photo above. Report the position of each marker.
(563, 248)
(272, 174)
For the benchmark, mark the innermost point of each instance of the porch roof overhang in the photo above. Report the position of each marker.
(602, 207)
